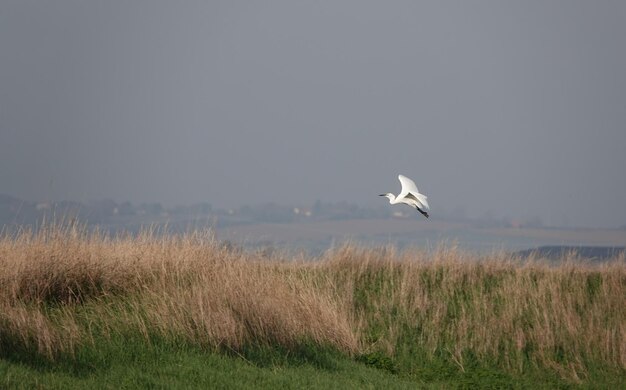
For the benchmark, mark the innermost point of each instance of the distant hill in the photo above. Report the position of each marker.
(557, 252)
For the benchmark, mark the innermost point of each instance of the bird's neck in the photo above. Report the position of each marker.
(392, 199)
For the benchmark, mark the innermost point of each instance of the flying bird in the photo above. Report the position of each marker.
(409, 195)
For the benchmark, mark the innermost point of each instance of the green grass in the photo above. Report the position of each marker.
(123, 362)
(131, 361)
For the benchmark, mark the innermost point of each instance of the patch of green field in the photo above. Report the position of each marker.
(131, 362)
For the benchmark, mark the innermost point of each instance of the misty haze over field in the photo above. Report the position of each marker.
(493, 108)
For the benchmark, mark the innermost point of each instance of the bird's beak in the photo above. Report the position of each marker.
(382, 194)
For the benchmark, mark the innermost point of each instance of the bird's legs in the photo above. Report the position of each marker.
(424, 213)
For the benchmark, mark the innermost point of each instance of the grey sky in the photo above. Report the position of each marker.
(514, 108)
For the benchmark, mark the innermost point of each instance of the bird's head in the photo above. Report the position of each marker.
(388, 195)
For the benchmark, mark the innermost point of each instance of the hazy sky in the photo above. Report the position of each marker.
(511, 108)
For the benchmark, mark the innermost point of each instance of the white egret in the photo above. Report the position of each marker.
(409, 195)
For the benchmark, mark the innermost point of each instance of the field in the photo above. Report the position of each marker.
(82, 309)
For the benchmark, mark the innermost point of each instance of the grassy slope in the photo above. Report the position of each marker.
(131, 363)
(120, 364)
(82, 311)
(124, 364)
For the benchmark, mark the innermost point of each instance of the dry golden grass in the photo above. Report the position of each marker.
(62, 285)
(188, 287)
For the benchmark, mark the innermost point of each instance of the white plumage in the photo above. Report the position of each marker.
(410, 195)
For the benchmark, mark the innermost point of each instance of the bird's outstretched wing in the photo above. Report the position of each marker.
(421, 199)
(408, 185)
